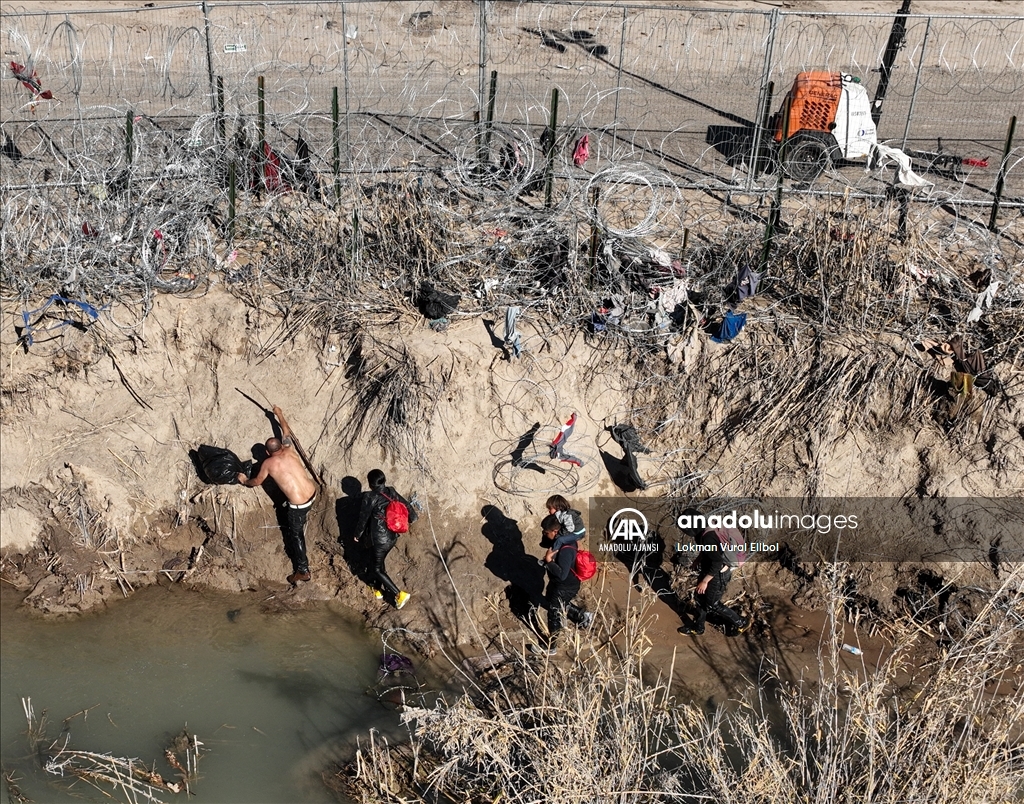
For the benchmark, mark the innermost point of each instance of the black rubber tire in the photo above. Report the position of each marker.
(806, 157)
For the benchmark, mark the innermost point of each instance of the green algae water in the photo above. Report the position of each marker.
(272, 697)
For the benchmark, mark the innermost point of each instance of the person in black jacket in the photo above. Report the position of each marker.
(372, 530)
(563, 585)
(715, 573)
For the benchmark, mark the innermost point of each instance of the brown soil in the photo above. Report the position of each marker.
(100, 496)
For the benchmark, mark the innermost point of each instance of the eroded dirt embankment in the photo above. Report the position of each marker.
(100, 495)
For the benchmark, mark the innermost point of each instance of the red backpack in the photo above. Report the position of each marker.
(585, 566)
(396, 515)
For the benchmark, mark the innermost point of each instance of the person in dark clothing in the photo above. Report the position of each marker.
(372, 530)
(715, 574)
(563, 585)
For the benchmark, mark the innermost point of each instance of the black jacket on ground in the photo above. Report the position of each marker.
(371, 515)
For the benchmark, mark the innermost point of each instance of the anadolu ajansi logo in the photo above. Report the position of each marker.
(627, 524)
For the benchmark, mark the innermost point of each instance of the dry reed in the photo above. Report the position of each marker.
(596, 727)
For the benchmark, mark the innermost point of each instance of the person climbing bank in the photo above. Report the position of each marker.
(372, 529)
(284, 466)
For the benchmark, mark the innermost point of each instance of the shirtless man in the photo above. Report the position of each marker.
(285, 466)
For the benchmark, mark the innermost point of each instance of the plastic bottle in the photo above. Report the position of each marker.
(852, 649)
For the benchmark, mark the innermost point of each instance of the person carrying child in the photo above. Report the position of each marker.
(563, 586)
(570, 523)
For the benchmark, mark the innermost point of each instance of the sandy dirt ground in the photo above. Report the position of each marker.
(99, 495)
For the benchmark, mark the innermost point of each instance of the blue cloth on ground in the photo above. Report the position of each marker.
(732, 323)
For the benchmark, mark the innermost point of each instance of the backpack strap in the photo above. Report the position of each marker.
(383, 513)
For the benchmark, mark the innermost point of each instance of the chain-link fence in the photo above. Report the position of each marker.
(144, 150)
(416, 86)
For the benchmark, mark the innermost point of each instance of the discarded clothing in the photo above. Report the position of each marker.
(731, 325)
(746, 283)
(272, 177)
(905, 176)
(392, 664)
(974, 363)
(510, 160)
(614, 309)
(670, 304)
(512, 340)
(557, 451)
(672, 296)
(684, 350)
(626, 436)
(984, 300)
(581, 153)
(610, 313)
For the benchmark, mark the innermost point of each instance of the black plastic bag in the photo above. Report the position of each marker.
(220, 466)
(436, 304)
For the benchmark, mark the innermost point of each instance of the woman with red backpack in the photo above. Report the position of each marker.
(381, 520)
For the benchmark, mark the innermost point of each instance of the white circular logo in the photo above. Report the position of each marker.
(627, 525)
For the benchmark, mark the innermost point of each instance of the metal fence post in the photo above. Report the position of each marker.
(618, 83)
(917, 83)
(209, 56)
(344, 55)
(761, 142)
(222, 132)
(1002, 174)
(897, 40)
(261, 115)
(484, 149)
(549, 151)
(482, 66)
(129, 135)
(775, 212)
(336, 143)
(232, 196)
(764, 99)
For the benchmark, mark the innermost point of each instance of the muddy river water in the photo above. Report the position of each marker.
(272, 697)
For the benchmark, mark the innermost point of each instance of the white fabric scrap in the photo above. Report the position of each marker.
(659, 256)
(906, 176)
(985, 299)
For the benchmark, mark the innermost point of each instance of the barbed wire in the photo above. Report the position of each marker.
(336, 220)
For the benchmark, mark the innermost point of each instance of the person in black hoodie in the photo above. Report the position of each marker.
(372, 529)
(715, 573)
(563, 585)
